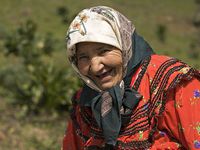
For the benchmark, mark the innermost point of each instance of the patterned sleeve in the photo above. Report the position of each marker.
(181, 118)
(187, 109)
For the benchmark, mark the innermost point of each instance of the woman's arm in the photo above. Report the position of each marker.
(181, 118)
(187, 108)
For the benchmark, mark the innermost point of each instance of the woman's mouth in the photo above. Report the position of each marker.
(105, 75)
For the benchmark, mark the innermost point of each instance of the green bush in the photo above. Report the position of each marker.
(36, 85)
(161, 32)
(63, 12)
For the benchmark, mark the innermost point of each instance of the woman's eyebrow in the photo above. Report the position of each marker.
(103, 47)
(80, 53)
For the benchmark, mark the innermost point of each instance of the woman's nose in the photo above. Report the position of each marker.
(96, 65)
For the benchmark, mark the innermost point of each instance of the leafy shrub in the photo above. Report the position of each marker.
(63, 13)
(161, 32)
(193, 53)
(36, 85)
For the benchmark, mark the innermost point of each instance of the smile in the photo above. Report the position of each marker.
(105, 76)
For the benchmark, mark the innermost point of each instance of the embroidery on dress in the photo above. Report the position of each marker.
(197, 144)
(196, 97)
(162, 133)
(177, 104)
(196, 126)
(185, 70)
(140, 135)
(178, 145)
(196, 94)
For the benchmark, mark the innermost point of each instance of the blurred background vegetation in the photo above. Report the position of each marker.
(36, 81)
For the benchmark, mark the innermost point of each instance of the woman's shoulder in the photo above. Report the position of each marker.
(160, 59)
(170, 70)
(163, 64)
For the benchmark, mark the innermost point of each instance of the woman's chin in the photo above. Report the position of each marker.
(106, 85)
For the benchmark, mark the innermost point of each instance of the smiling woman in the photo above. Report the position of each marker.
(102, 63)
(131, 98)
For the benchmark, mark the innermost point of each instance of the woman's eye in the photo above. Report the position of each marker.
(83, 57)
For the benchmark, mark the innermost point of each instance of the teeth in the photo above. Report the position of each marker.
(105, 73)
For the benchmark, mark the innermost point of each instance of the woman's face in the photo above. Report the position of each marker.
(102, 63)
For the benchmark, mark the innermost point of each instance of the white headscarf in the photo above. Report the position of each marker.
(103, 25)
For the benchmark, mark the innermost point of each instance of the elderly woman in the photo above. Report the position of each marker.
(132, 98)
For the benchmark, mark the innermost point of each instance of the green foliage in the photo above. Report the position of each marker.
(36, 85)
(63, 13)
(197, 1)
(194, 52)
(23, 43)
(161, 32)
(2, 31)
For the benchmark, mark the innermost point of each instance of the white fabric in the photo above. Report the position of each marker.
(99, 31)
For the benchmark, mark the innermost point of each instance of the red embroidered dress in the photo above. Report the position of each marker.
(167, 117)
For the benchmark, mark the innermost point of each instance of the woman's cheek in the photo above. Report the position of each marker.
(83, 68)
(113, 61)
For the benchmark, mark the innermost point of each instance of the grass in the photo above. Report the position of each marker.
(45, 132)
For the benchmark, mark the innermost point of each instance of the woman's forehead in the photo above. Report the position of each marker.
(91, 46)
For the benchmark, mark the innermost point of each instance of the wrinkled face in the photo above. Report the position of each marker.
(102, 63)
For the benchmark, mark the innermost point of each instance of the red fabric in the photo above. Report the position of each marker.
(178, 127)
(71, 140)
(181, 118)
